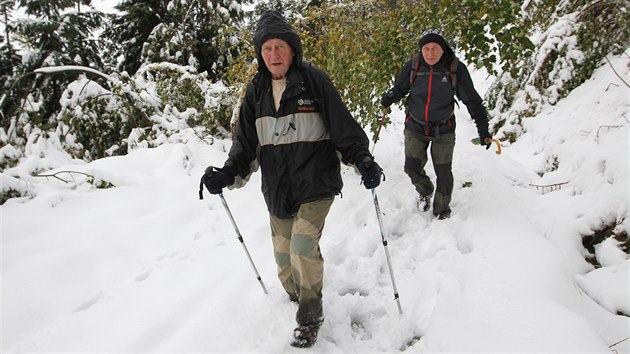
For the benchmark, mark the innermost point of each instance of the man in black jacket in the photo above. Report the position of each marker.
(430, 81)
(294, 124)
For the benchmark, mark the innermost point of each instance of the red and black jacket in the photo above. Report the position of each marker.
(430, 100)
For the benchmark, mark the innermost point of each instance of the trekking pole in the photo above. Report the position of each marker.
(378, 131)
(389, 262)
(238, 233)
(240, 238)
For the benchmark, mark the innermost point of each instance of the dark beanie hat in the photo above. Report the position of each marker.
(433, 35)
(273, 25)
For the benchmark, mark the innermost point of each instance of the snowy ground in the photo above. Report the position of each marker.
(148, 267)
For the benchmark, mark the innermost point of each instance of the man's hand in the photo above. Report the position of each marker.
(215, 181)
(371, 173)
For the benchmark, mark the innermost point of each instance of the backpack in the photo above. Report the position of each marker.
(415, 64)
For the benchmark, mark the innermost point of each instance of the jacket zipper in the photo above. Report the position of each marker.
(426, 107)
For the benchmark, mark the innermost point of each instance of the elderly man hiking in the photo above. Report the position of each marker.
(430, 82)
(293, 124)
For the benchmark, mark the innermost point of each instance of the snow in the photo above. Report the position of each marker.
(148, 267)
(56, 69)
(105, 6)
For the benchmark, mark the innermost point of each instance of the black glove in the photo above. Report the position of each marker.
(388, 98)
(215, 181)
(485, 140)
(370, 173)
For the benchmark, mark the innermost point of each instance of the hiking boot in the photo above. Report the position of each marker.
(304, 336)
(423, 203)
(444, 215)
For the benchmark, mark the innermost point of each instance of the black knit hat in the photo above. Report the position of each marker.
(433, 35)
(273, 25)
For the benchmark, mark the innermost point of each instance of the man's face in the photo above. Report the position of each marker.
(432, 52)
(278, 56)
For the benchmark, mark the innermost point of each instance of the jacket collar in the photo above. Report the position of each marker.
(295, 82)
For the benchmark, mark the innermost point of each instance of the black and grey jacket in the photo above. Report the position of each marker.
(295, 146)
(430, 102)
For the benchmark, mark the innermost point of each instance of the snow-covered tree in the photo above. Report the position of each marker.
(144, 110)
(575, 38)
(10, 59)
(53, 33)
(196, 33)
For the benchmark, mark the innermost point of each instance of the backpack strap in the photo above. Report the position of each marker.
(453, 73)
(415, 65)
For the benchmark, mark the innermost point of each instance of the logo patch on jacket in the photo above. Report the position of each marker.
(444, 79)
(305, 104)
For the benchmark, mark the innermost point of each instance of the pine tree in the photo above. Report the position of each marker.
(197, 33)
(55, 33)
(130, 29)
(9, 61)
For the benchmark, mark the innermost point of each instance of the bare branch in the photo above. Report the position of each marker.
(549, 187)
(616, 73)
(55, 175)
(605, 126)
(621, 341)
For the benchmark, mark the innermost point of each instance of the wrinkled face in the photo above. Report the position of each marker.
(432, 52)
(278, 56)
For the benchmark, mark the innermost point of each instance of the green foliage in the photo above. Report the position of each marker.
(363, 44)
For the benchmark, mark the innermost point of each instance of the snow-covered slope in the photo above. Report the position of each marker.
(148, 267)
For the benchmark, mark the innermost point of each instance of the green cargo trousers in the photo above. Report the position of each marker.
(416, 146)
(298, 257)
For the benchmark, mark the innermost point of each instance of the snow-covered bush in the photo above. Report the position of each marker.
(187, 95)
(169, 44)
(95, 122)
(148, 109)
(610, 236)
(570, 44)
(140, 111)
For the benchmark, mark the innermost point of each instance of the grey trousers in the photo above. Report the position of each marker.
(416, 158)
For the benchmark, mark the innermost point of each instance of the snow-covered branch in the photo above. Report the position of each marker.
(72, 68)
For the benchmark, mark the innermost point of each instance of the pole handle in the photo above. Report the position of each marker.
(210, 171)
(477, 141)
